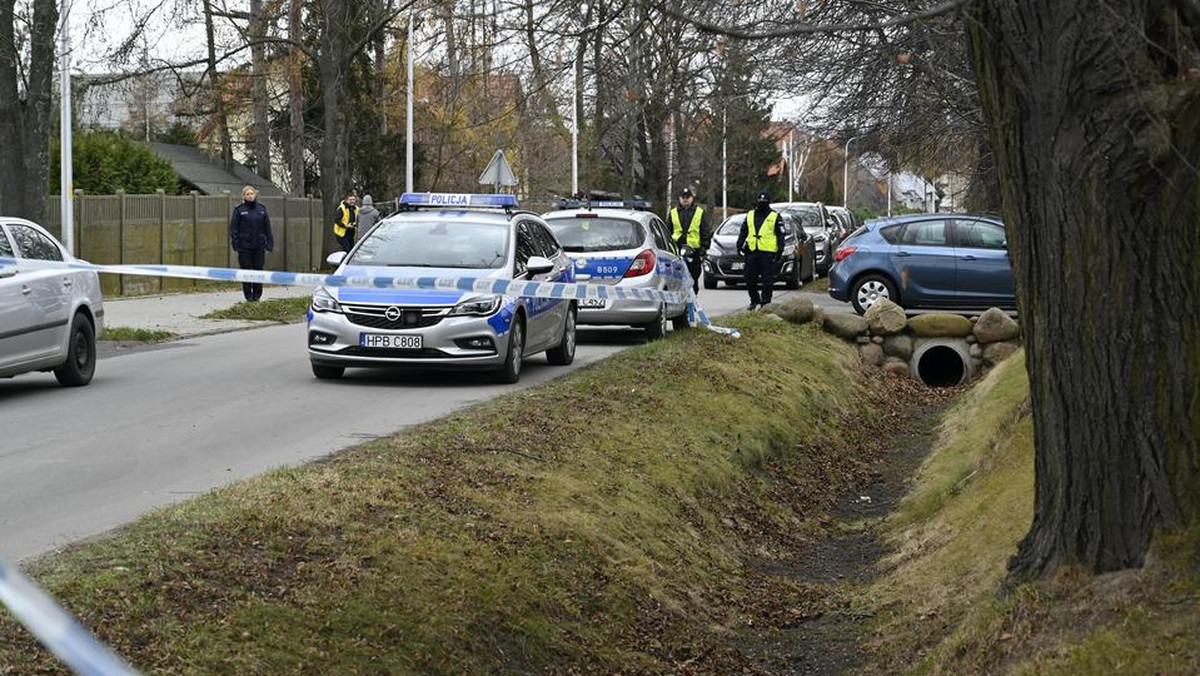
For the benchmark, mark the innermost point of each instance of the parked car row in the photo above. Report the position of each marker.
(799, 260)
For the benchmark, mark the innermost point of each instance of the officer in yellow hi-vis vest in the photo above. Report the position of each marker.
(345, 221)
(691, 232)
(761, 241)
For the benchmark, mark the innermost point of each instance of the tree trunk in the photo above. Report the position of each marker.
(25, 120)
(296, 93)
(258, 88)
(333, 62)
(1095, 127)
(214, 81)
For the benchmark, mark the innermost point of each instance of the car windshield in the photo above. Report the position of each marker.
(583, 233)
(435, 244)
(731, 226)
(810, 217)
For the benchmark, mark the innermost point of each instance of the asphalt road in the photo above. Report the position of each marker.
(161, 424)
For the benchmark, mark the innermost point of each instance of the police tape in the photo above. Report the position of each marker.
(480, 285)
(56, 628)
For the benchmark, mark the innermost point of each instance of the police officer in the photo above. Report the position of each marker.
(690, 228)
(345, 221)
(250, 236)
(761, 241)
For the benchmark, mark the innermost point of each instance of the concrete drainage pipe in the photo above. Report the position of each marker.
(942, 362)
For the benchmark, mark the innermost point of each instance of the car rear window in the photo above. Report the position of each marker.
(5, 249)
(583, 234)
(890, 234)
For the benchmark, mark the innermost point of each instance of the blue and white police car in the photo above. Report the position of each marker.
(438, 236)
(621, 243)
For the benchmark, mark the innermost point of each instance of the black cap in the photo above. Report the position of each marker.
(686, 192)
(764, 196)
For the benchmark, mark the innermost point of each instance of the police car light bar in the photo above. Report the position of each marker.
(602, 204)
(461, 200)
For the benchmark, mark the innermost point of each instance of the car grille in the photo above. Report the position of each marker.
(376, 316)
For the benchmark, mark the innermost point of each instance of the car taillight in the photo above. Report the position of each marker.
(843, 253)
(642, 265)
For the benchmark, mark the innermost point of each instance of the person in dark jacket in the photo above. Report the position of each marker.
(761, 242)
(251, 237)
(690, 228)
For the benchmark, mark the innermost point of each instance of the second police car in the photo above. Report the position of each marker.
(445, 236)
(623, 244)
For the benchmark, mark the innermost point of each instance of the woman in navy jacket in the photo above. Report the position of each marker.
(251, 237)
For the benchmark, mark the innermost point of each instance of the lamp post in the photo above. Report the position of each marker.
(846, 172)
(408, 141)
(66, 174)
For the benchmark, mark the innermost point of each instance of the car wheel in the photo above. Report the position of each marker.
(710, 282)
(565, 352)
(323, 372)
(511, 371)
(656, 329)
(869, 289)
(80, 365)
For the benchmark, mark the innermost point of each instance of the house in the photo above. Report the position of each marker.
(205, 174)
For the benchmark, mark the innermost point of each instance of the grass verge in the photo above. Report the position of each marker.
(598, 523)
(818, 285)
(284, 310)
(130, 334)
(940, 605)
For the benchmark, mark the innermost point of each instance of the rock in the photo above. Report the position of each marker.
(997, 352)
(773, 317)
(896, 366)
(884, 318)
(871, 354)
(995, 325)
(845, 326)
(975, 351)
(940, 325)
(900, 347)
(974, 319)
(878, 340)
(862, 340)
(793, 309)
(971, 339)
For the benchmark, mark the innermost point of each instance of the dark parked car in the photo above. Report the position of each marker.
(947, 261)
(725, 264)
(821, 227)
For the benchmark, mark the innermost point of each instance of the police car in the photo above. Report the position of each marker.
(620, 243)
(445, 236)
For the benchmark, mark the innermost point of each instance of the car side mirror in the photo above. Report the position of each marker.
(335, 259)
(539, 265)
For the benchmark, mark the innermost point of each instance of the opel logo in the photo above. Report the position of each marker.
(392, 314)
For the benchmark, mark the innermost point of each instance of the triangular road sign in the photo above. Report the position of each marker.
(498, 172)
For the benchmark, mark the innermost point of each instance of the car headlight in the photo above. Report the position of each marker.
(323, 301)
(482, 306)
(789, 251)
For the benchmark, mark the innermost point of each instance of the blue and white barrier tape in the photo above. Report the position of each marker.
(482, 285)
(56, 628)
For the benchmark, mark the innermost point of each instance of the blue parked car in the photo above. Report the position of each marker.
(920, 261)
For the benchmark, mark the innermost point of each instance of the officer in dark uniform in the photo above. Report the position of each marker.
(690, 228)
(251, 237)
(761, 242)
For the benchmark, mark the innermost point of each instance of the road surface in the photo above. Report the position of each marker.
(163, 423)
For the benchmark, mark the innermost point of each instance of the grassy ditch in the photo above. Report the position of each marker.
(600, 523)
(285, 310)
(132, 335)
(940, 605)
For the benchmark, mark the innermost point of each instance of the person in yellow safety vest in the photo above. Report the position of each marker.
(761, 242)
(345, 221)
(690, 228)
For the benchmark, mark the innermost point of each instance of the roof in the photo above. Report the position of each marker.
(628, 214)
(906, 218)
(208, 176)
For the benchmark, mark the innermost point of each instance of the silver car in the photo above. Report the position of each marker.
(820, 226)
(625, 247)
(49, 316)
(441, 329)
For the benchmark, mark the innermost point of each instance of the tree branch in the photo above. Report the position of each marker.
(811, 29)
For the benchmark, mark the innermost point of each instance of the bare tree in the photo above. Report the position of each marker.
(25, 106)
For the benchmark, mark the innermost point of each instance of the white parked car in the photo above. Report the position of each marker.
(49, 316)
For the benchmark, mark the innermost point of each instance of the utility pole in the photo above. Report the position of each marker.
(575, 127)
(66, 176)
(791, 164)
(408, 142)
(724, 169)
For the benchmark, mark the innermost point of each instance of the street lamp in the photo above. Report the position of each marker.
(66, 170)
(408, 140)
(846, 172)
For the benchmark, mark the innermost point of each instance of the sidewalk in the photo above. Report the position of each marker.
(179, 313)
